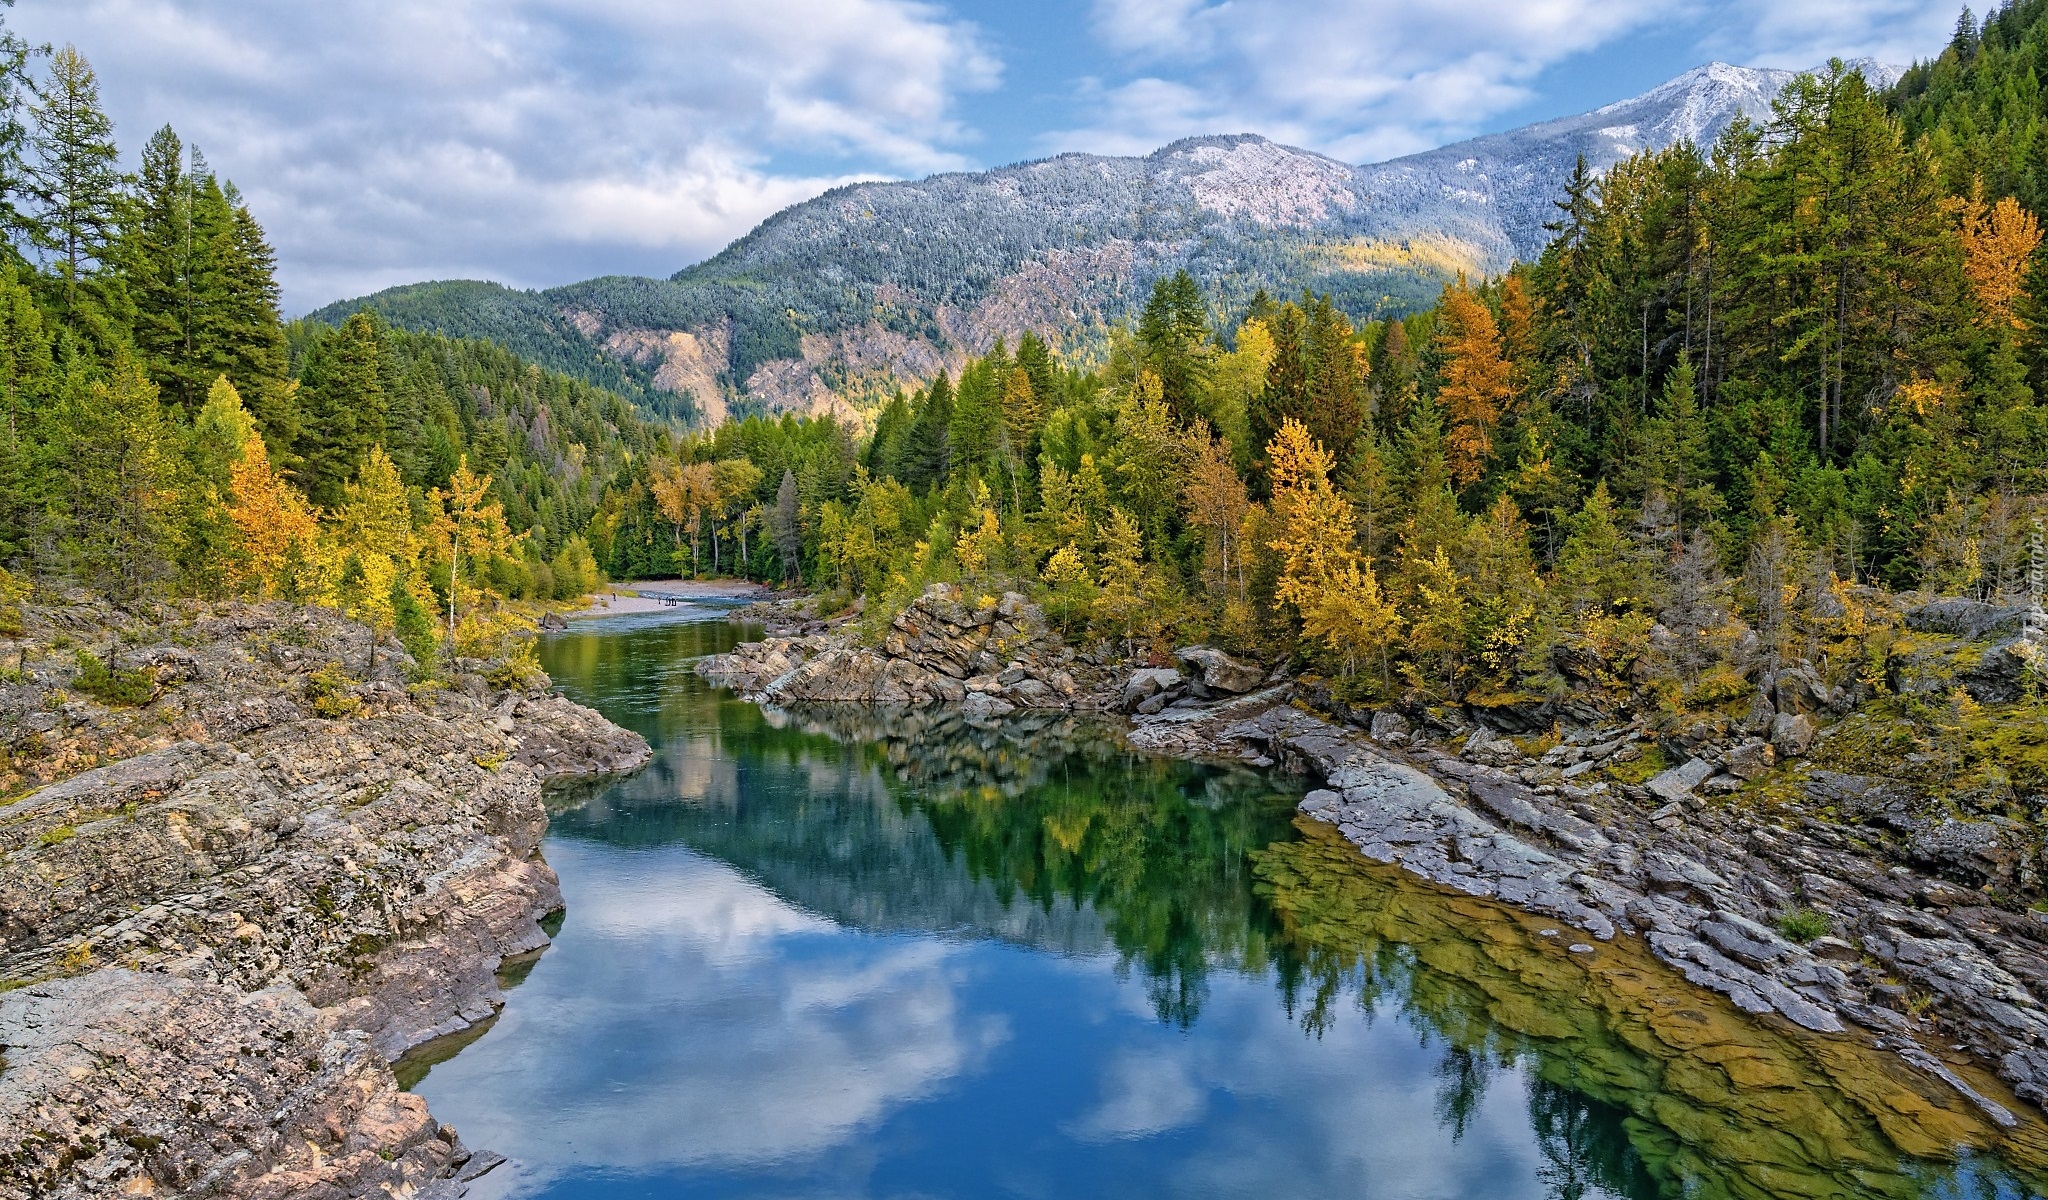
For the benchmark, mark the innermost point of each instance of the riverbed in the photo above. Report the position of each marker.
(860, 953)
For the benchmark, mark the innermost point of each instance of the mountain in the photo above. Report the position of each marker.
(831, 303)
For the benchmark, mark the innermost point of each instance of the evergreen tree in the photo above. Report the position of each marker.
(784, 528)
(1174, 329)
(17, 88)
(74, 174)
(1035, 359)
(111, 460)
(155, 254)
(1336, 396)
(1596, 573)
(926, 453)
(344, 408)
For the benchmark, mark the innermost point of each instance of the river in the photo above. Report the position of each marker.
(867, 954)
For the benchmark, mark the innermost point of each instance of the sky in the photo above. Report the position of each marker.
(540, 142)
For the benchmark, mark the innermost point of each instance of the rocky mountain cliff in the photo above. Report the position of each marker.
(836, 300)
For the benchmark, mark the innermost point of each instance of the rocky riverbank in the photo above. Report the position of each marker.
(236, 881)
(990, 656)
(1779, 857)
(1767, 854)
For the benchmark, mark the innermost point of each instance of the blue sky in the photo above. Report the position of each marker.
(537, 142)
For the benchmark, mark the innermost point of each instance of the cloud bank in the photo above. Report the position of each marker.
(1366, 81)
(530, 141)
(537, 142)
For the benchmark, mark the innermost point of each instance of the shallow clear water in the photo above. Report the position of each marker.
(861, 954)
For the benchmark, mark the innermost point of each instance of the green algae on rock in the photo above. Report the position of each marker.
(1718, 1103)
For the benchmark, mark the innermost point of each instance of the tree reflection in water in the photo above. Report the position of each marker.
(1045, 830)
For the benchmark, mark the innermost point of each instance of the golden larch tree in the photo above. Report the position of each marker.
(277, 531)
(1322, 576)
(1477, 381)
(1215, 500)
(1999, 241)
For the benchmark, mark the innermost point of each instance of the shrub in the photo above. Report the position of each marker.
(13, 590)
(1804, 925)
(331, 692)
(110, 685)
(519, 669)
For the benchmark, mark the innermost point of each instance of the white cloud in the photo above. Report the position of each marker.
(532, 141)
(542, 141)
(1368, 80)
(1356, 80)
(1806, 33)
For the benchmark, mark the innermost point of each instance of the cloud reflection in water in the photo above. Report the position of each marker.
(696, 1019)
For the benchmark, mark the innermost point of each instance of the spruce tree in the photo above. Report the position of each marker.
(925, 453)
(344, 409)
(249, 323)
(16, 92)
(155, 252)
(783, 526)
(1035, 359)
(74, 174)
(1174, 330)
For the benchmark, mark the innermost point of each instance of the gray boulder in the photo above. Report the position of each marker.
(1751, 759)
(1147, 683)
(1791, 734)
(1679, 782)
(1219, 672)
(1962, 618)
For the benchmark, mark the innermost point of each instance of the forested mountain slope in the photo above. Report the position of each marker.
(847, 295)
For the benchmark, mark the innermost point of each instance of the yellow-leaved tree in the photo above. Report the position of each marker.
(1999, 241)
(1125, 584)
(733, 481)
(278, 546)
(1322, 576)
(1237, 382)
(379, 548)
(685, 493)
(1215, 500)
(468, 532)
(1477, 381)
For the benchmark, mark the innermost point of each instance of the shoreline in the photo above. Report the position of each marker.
(1700, 863)
(626, 599)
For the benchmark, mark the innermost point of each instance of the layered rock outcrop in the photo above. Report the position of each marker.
(1902, 939)
(216, 944)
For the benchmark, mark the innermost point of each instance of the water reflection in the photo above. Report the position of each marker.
(843, 952)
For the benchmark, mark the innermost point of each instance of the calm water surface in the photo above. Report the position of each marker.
(885, 955)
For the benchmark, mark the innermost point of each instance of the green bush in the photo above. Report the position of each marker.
(332, 693)
(1804, 925)
(517, 671)
(415, 628)
(111, 686)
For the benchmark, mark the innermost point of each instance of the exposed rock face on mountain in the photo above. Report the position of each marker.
(877, 284)
(989, 657)
(217, 942)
